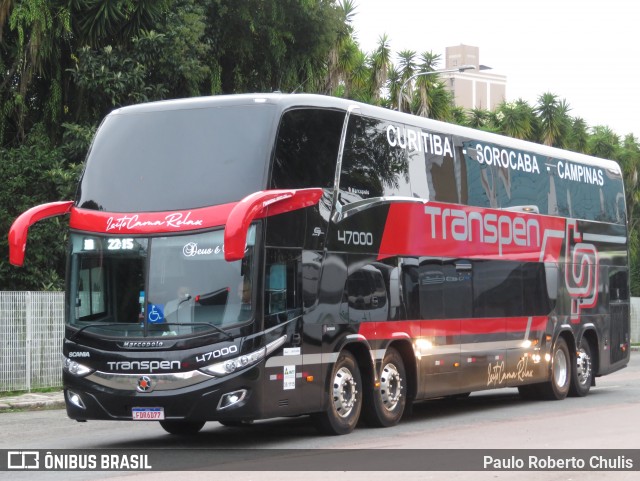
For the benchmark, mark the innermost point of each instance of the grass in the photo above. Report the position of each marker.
(35, 390)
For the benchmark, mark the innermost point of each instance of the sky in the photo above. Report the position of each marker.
(584, 51)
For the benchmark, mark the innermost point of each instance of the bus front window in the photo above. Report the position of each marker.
(164, 286)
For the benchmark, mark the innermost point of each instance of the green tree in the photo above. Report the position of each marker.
(394, 83)
(426, 84)
(479, 119)
(33, 173)
(37, 39)
(344, 55)
(266, 45)
(603, 142)
(553, 119)
(628, 157)
(578, 135)
(98, 23)
(516, 119)
(407, 68)
(380, 63)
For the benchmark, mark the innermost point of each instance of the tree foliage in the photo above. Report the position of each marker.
(34, 173)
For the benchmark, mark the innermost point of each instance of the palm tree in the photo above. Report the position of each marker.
(629, 159)
(425, 83)
(459, 116)
(516, 119)
(478, 118)
(394, 82)
(440, 102)
(603, 142)
(340, 67)
(358, 81)
(407, 68)
(553, 117)
(341, 57)
(578, 135)
(380, 62)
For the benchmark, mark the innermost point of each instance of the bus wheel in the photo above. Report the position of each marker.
(384, 406)
(345, 398)
(582, 377)
(557, 387)
(182, 428)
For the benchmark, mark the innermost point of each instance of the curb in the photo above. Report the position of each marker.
(32, 401)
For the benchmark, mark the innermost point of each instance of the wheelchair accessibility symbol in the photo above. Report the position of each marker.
(155, 313)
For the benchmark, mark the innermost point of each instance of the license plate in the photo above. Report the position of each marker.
(147, 414)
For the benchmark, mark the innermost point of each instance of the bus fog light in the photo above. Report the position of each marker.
(75, 399)
(232, 398)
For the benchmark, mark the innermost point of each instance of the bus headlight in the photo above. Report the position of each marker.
(75, 368)
(229, 366)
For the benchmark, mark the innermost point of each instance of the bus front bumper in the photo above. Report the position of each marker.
(235, 397)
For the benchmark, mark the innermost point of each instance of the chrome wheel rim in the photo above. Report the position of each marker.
(345, 391)
(560, 368)
(390, 386)
(583, 370)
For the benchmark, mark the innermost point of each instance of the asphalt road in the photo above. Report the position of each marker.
(608, 418)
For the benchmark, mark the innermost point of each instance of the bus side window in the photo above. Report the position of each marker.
(431, 280)
(277, 288)
(366, 296)
(307, 149)
(618, 285)
(90, 301)
(445, 289)
(282, 294)
(371, 167)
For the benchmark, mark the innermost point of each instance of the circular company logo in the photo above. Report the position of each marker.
(144, 384)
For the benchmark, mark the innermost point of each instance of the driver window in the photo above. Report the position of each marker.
(282, 294)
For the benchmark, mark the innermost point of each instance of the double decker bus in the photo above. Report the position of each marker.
(245, 257)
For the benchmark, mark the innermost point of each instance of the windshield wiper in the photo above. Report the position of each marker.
(219, 329)
(216, 328)
(101, 324)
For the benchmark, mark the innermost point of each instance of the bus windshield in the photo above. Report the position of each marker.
(160, 286)
(146, 161)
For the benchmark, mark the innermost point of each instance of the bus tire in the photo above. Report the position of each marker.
(384, 406)
(345, 398)
(582, 375)
(182, 428)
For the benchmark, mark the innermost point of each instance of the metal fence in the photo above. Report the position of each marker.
(31, 335)
(32, 331)
(635, 319)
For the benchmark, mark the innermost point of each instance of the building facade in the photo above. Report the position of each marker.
(473, 89)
